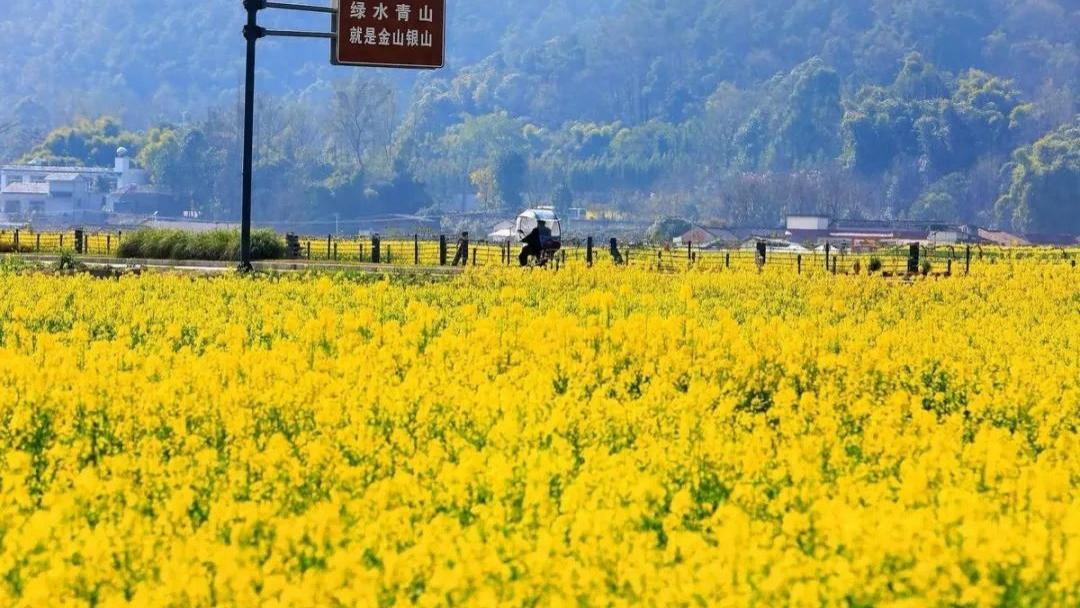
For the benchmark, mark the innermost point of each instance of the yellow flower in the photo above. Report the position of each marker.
(605, 437)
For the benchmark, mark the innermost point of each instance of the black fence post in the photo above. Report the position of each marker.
(967, 260)
(442, 250)
(108, 244)
(589, 252)
(690, 252)
(329, 241)
(461, 256)
(615, 255)
(292, 246)
(913, 259)
(727, 260)
(828, 250)
(376, 249)
(416, 249)
(80, 243)
(37, 244)
(335, 251)
(798, 262)
(17, 241)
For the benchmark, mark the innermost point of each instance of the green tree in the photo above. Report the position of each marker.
(808, 124)
(483, 180)
(509, 172)
(184, 163)
(363, 112)
(942, 201)
(562, 199)
(919, 80)
(1044, 192)
(89, 143)
(664, 229)
(869, 132)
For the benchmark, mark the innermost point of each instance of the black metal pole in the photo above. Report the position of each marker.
(299, 7)
(252, 33)
(296, 34)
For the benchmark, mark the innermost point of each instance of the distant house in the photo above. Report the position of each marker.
(743, 235)
(707, 238)
(944, 237)
(58, 194)
(1008, 239)
(775, 246)
(19, 200)
(695, 236)
(1000, 237)
(606, 213)
(502, 232)
(808, 222)
(64, 193)
(816, 230)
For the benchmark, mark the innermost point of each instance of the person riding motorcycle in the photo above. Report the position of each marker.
(535, 242)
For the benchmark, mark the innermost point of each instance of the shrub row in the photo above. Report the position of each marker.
(218, 245)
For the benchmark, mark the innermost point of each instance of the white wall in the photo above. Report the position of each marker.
(807, 222)
(25, 201)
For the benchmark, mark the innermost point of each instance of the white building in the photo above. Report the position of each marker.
(30, 192)
(808, 222)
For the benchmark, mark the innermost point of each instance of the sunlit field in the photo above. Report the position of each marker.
(604, 437)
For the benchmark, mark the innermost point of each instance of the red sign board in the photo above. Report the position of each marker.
(390, 33)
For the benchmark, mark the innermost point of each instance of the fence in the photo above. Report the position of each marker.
(460, 251)
(96, 244)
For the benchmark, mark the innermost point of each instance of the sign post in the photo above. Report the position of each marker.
(252, 32)
(382, 33)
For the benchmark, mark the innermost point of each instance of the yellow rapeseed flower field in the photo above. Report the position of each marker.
(592, 437)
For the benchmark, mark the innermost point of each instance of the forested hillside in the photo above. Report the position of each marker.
(727, 110)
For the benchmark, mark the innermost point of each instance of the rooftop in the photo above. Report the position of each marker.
(64, 177)
(856, 224)
(56, 169)
(24, 188)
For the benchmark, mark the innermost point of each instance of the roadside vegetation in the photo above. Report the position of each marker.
(216, 245)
